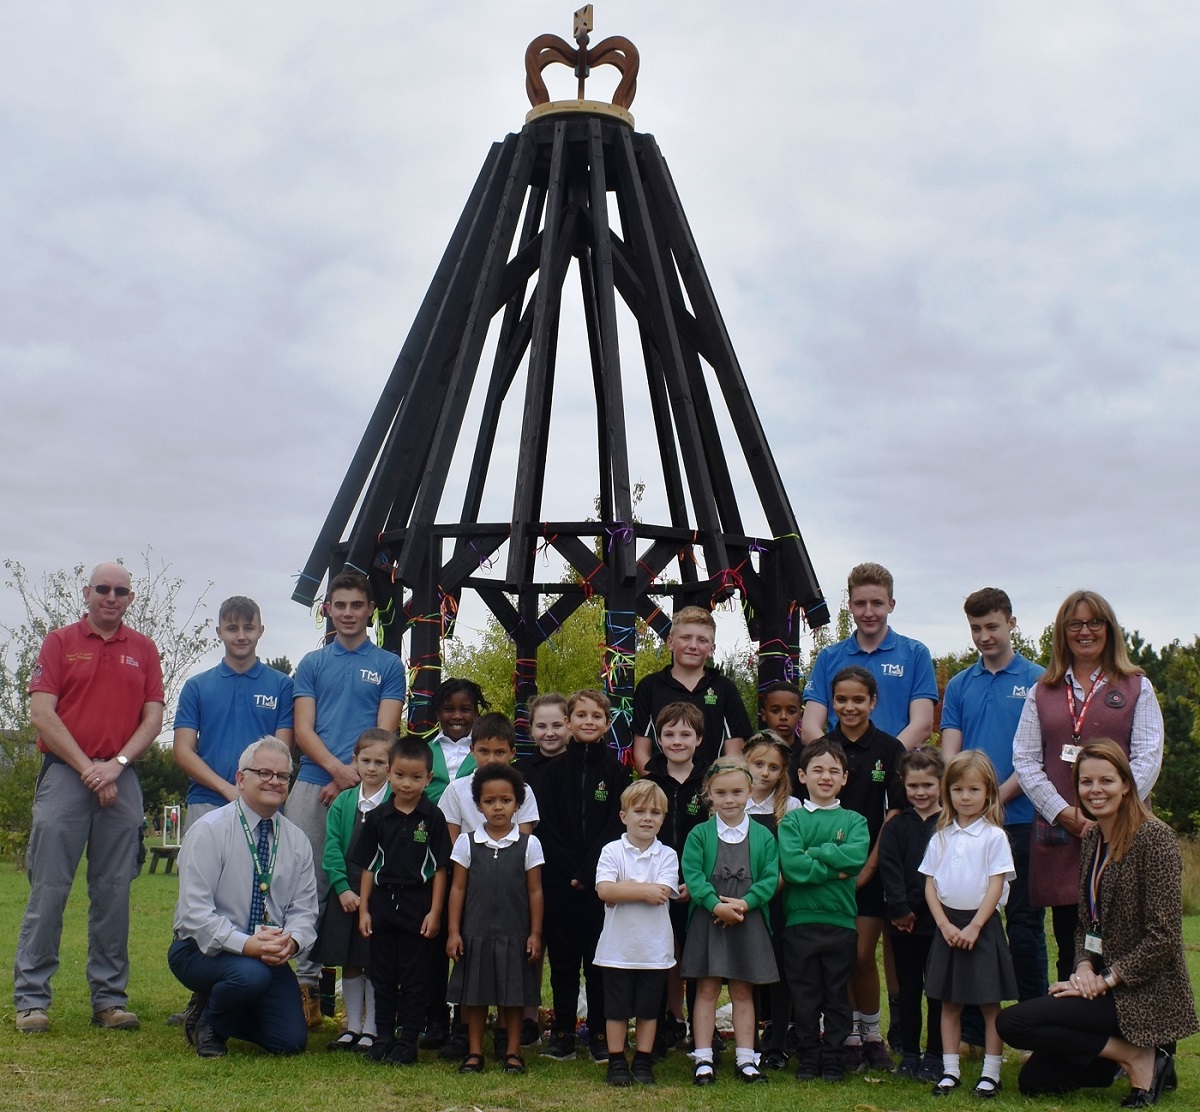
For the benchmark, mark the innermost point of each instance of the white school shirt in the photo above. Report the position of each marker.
(637, 935)
(458, 805)
(367, 803)
(734, 835)
(462, 847)
(963, 860)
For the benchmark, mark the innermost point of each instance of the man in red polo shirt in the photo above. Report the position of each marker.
(96, 700)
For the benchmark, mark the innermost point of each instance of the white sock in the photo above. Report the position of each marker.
(702, 1054)
(855, 1036)
(950, 1065)
(745, 1056)
(369, 1009)
(352, 997)
(870, 1027)
(991, 1065)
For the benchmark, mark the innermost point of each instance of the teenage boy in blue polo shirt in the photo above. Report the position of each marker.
(981, 709)
(223, 710)
(346, 687)
(902, 667)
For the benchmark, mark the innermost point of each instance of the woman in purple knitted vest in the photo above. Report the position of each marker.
(1090, 690)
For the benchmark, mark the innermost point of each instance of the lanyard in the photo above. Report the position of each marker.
(262, 879)
(1077, 720)
(1099, 862)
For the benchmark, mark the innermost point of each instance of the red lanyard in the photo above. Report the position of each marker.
(1078, 720)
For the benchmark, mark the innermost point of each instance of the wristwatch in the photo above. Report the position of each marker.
(122, 760)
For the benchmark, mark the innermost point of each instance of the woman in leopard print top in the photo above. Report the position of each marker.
(1129, 996)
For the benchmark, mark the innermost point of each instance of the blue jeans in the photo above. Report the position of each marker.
(247, 999)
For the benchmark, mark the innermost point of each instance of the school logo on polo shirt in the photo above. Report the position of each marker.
(877, 773)
(893, 670)
(421, 834)
(266, 702)
(1019, 691)
(710, 697)
(369, 676)
(132, 661)
(693, 808)
(601, 792)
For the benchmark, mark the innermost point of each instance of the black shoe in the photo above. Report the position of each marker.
(618, 1072)
(455, 1047)
(347, 1040)
(774, 1059)
(208, 1043)
(642, 1069)
(931, 1068)
(435, 1035)
(853, 1059)
(598, 1048)
(1143, 1098)
(191, 1016)
(986, 1088)
(876, 1056)
(531, 1035)
(909, 1067)
(1170, 1077)
(834, 1075)
(947, 1083)
(380, 1050)
(749, 1073)
(561, 1047)
(403, 1053)
(703, 1074)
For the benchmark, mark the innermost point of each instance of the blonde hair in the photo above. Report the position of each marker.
(870, 575)
(643, 791)
(721, 766)
(694, 615)
(972, 760)
(550, 699)
(769, 739)
(1114, 660)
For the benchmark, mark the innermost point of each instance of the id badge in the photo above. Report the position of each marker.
(1092, 945)
(1070, 753)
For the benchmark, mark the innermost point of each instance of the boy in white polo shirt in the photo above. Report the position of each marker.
(636, 876)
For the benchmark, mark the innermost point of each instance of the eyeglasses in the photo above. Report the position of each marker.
(1094, 624)
(266, 775)
(104, 588)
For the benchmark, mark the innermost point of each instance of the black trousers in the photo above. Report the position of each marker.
(401, 964)
(1066, 1035)
(1064, 920)
(573, 921)
(819, 961)
(911, 952)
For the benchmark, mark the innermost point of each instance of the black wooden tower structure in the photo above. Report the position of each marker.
(544, 200)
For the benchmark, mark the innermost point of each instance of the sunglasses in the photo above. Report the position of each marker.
(104, 588)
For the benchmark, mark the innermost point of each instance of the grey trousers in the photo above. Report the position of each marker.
(306, 810)
(67, 818)
(196, 811)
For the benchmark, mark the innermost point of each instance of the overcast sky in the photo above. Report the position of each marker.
(955, 246)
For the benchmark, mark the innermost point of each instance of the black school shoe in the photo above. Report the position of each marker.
(643, 1069)
(618, 1072)
(560, 1047)
(598, 1048)
(456, 1045)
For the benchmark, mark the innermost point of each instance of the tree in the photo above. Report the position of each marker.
(280, 664)
(158, 610)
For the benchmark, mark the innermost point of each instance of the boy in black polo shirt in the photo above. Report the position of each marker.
(874, 790)
(403, 851)
(688, 678)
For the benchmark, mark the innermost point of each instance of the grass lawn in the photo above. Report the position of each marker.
(77, 1066)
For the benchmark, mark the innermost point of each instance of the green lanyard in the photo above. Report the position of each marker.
(262, 879)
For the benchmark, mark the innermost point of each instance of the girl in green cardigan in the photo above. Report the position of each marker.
(339, 942)
(731, 869)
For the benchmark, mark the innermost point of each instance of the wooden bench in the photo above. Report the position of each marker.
(158, 853)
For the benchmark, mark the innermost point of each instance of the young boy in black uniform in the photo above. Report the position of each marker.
(674, 768)
(401, 902)
(581, 814)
